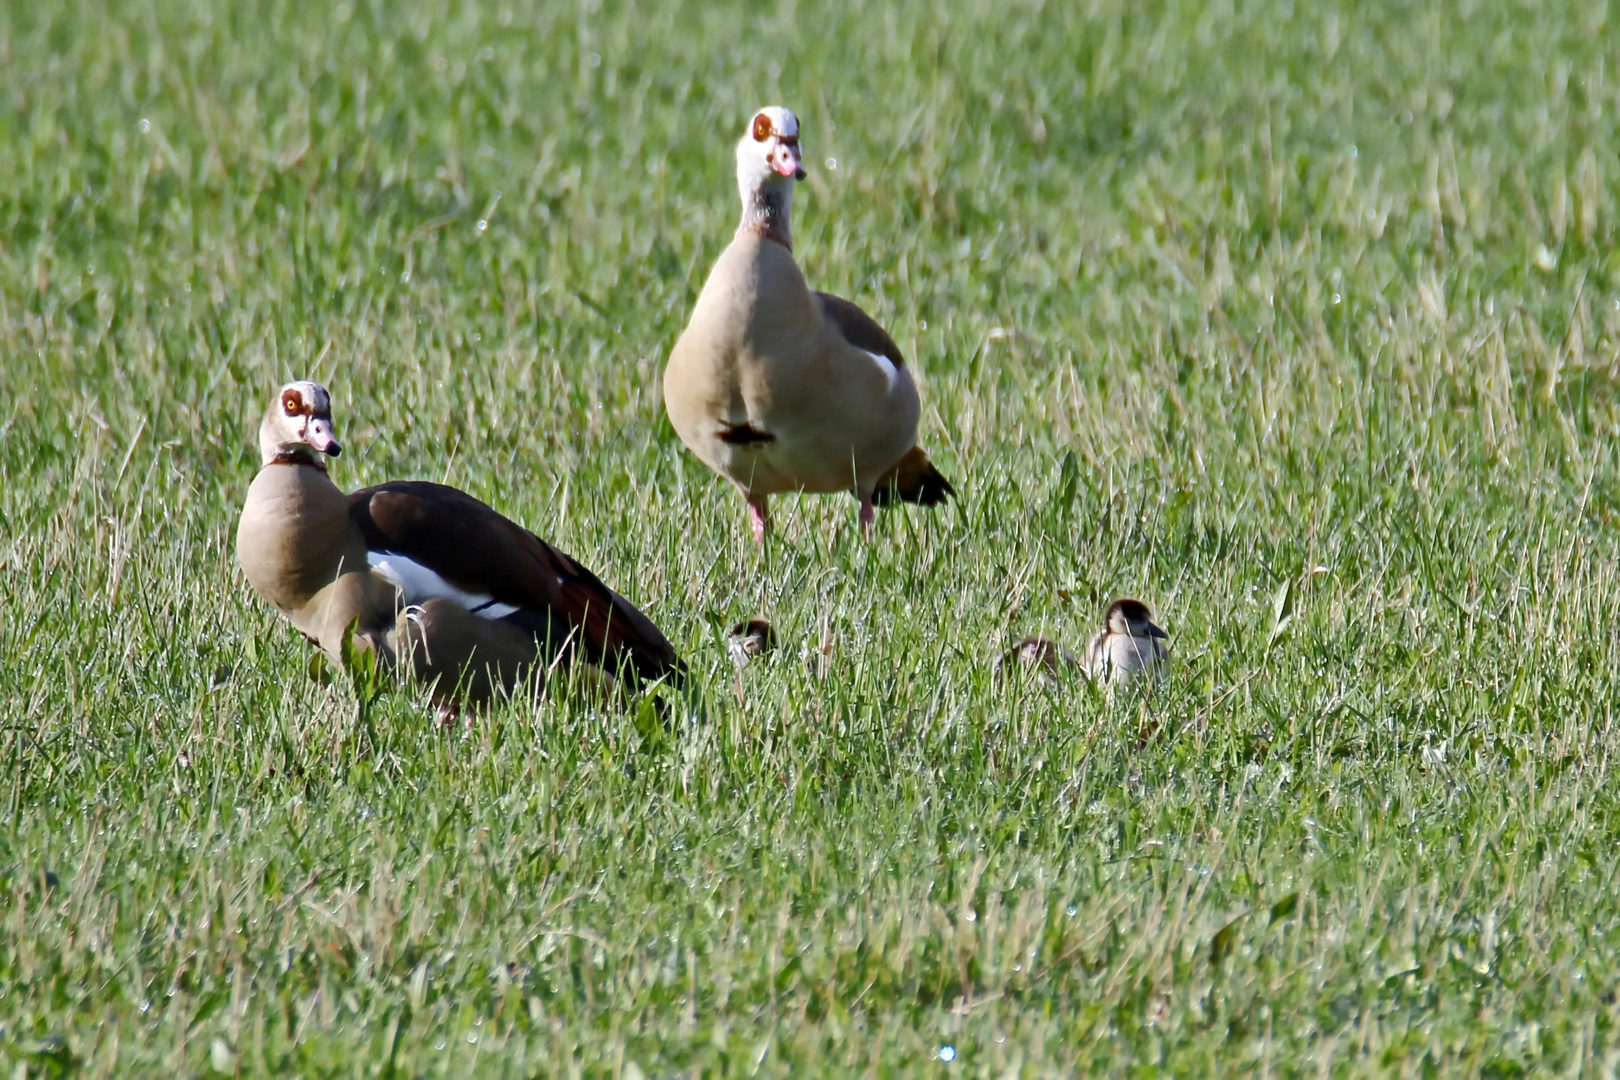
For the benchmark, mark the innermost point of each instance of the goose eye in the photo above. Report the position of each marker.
(762, 127)
(292, 403)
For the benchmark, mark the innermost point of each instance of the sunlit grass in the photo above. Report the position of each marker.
(1300, 322)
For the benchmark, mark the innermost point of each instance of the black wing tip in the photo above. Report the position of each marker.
(675, 672)
(636, 660)
(744, 435)
(928, 488)
(641, 672)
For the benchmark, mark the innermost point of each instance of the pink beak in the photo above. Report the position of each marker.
(318, 433)
(784, 159)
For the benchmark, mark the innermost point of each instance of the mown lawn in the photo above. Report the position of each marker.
(1299, 321)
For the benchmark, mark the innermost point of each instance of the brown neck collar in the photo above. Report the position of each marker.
(294, 457)
(765, 230)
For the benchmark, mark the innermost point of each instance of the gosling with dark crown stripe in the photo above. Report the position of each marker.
(749, 639)
(1128, 645)
(433, 581)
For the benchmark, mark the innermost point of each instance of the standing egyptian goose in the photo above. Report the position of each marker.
(472, 600)
(1129, 644)
(778, 388)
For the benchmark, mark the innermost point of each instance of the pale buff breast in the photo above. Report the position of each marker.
(292, 534)
(299, 551)
(758, 351)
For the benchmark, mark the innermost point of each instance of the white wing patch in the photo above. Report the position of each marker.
(418, 584)
(889, 370)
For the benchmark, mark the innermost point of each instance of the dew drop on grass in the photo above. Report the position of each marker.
(947, 1053)
(146, 125)
(971, 916)
(832, 164)
(1071, 911)
(483, 226)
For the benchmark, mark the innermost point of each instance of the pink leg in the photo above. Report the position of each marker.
(759, 518)
(868, 515)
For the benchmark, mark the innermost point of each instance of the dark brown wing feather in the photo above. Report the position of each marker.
(859, 328)
(477, 549)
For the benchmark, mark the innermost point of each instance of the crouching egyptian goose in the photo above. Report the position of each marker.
(749, 640)
(1128, 645)
(432, 580)
(1038, 655)
(778, 388)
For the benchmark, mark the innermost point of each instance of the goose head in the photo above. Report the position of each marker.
(749, 639)
(297, 427)
(1132, 618)
(768, 154)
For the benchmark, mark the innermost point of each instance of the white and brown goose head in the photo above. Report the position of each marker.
(768, 164)
(297, 428)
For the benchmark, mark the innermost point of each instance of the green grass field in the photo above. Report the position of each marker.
(1299, 321)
